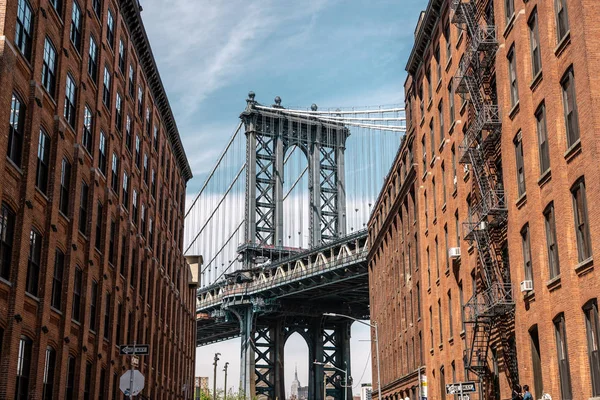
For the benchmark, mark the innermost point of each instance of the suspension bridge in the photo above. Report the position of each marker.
(281, 225)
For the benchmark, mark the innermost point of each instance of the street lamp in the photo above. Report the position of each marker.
(215, 377)
(373, 325)
(345, 371)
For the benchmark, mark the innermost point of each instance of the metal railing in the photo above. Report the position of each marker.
(495, 300)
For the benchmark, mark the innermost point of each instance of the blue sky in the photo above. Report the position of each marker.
(332, 53)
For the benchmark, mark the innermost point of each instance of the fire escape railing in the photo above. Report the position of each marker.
(493, 300)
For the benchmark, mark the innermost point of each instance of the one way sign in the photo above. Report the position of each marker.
(460, 388)
(138, 349)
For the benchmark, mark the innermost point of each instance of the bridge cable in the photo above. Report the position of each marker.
(214, 168)
(216, 208)
(223, 247)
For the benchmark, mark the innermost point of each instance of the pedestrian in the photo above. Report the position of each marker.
(527, 395)
(516, 393)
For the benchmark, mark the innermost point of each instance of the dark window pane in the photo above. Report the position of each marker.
(57, 279)
(33, 265)
(23, 368)
(7, 228)
(16, 126)
(49, 367)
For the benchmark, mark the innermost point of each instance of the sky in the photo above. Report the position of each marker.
(333, 53)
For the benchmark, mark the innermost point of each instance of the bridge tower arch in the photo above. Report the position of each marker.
(268, 134)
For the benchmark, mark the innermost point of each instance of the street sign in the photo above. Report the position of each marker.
(464, 397)
(461, 387)
(139, 349)
(138, 382)
(135, 361)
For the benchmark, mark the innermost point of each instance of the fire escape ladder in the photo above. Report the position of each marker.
(492, 303)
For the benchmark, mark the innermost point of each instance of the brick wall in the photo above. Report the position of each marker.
(153, 287)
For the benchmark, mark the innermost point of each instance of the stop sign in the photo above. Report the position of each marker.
(138, 382)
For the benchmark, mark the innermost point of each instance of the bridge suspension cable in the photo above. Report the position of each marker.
(223, 247)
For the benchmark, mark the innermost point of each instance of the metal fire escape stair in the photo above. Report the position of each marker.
(492, 302)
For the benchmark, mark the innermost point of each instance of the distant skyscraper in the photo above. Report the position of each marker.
(365, 391)
(295, 384)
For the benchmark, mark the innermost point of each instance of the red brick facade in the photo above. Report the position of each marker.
(91, 249)
(563, 302)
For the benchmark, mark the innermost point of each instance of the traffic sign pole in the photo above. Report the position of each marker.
(131, 374)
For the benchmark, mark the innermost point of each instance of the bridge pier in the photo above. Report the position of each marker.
(245, 316)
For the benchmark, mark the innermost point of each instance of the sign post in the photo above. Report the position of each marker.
(134, 376)
(460, 388)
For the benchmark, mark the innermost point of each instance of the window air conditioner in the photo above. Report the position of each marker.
(455, 180)
(454, 252)
(527, 285)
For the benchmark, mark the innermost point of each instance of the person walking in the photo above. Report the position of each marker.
(527, 395)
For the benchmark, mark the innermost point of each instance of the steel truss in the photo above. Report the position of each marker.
(490, 311)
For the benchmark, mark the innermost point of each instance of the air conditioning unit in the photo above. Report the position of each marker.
(455, 180)
(483, 225)
(454, 252)
(527, 285)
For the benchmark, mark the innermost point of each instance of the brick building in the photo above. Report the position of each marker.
(92, 202)
(506, 240)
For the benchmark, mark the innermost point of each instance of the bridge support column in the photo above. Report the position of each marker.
(247, 383)
(314, 163)
(269, 342)
(316, 372)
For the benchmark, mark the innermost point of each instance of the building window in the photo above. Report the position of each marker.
(441, 119)
(102, 153)
(98, 240)
(143, 221)
(592, 325)
(444, 191)
(509, 9)
(534, 40)
(49, 367)
(70, 379)
(122, 56)
(76, 26)
(16, 126)
(553, 260)
(150, 234)
(442, 383)
(83, 208)
(562, 19)
(57, 4)
(128, 132)
(437, 258)
(457, 228)
(49, 67)
(448, 42)
(106, 87)
(153, 186)
(432, 139)
(431, 326)
(57, 279)
(33, 264)
(23, 368)
(438, 62)
(563, 357)
(97, 6)
(110, 31)
(70, 100)
(582, 227)
(93, 60)
(134, 206)
(93, 305)
(512, 75)
(119, 317)
(518, 142)
(65, 184)
(542, 134)
(7, 229)
(525, 243)
(570, 107)
(111, 246)
(424, 153)
(461, 299)
(450, 317)
(125, 190)
(43, 162)
(536, 362)
(140, 100)
(440, 321)
(115, 174)
(146, 168)
(24, 28)
(77, 287)
(148, 124)
(138, 154)
(87, 387)
(124, 256)
(88, 126)
(131, 84)
(107, 317)
(118, 112)
(451, 101)
(429, 84)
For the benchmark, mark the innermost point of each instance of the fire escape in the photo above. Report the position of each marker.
(490, 311)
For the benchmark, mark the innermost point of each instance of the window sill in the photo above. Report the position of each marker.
(441, 346)
(434, 222)
(64, 216)
(442, 145)
(585, 266)
(529, 296)
(15, 166)
(429, 104)
(521, 201)
(563, 44)
(431, 351)
(455, 191)
(462, 108)
(56, 310)
(554, 283)
(422, 121)
(573, 151)
(514, 111)
(448, 63)
(460, 38)
(6, 282)
(437, 282)
(432, 162)
(463, 334)
(451, 341)
(536, 81)
(545, 177)
(452, 126)
(34, 298)
(447, 272)
(439, 85)
(429, 290)
(509, 25)
(444, 207)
